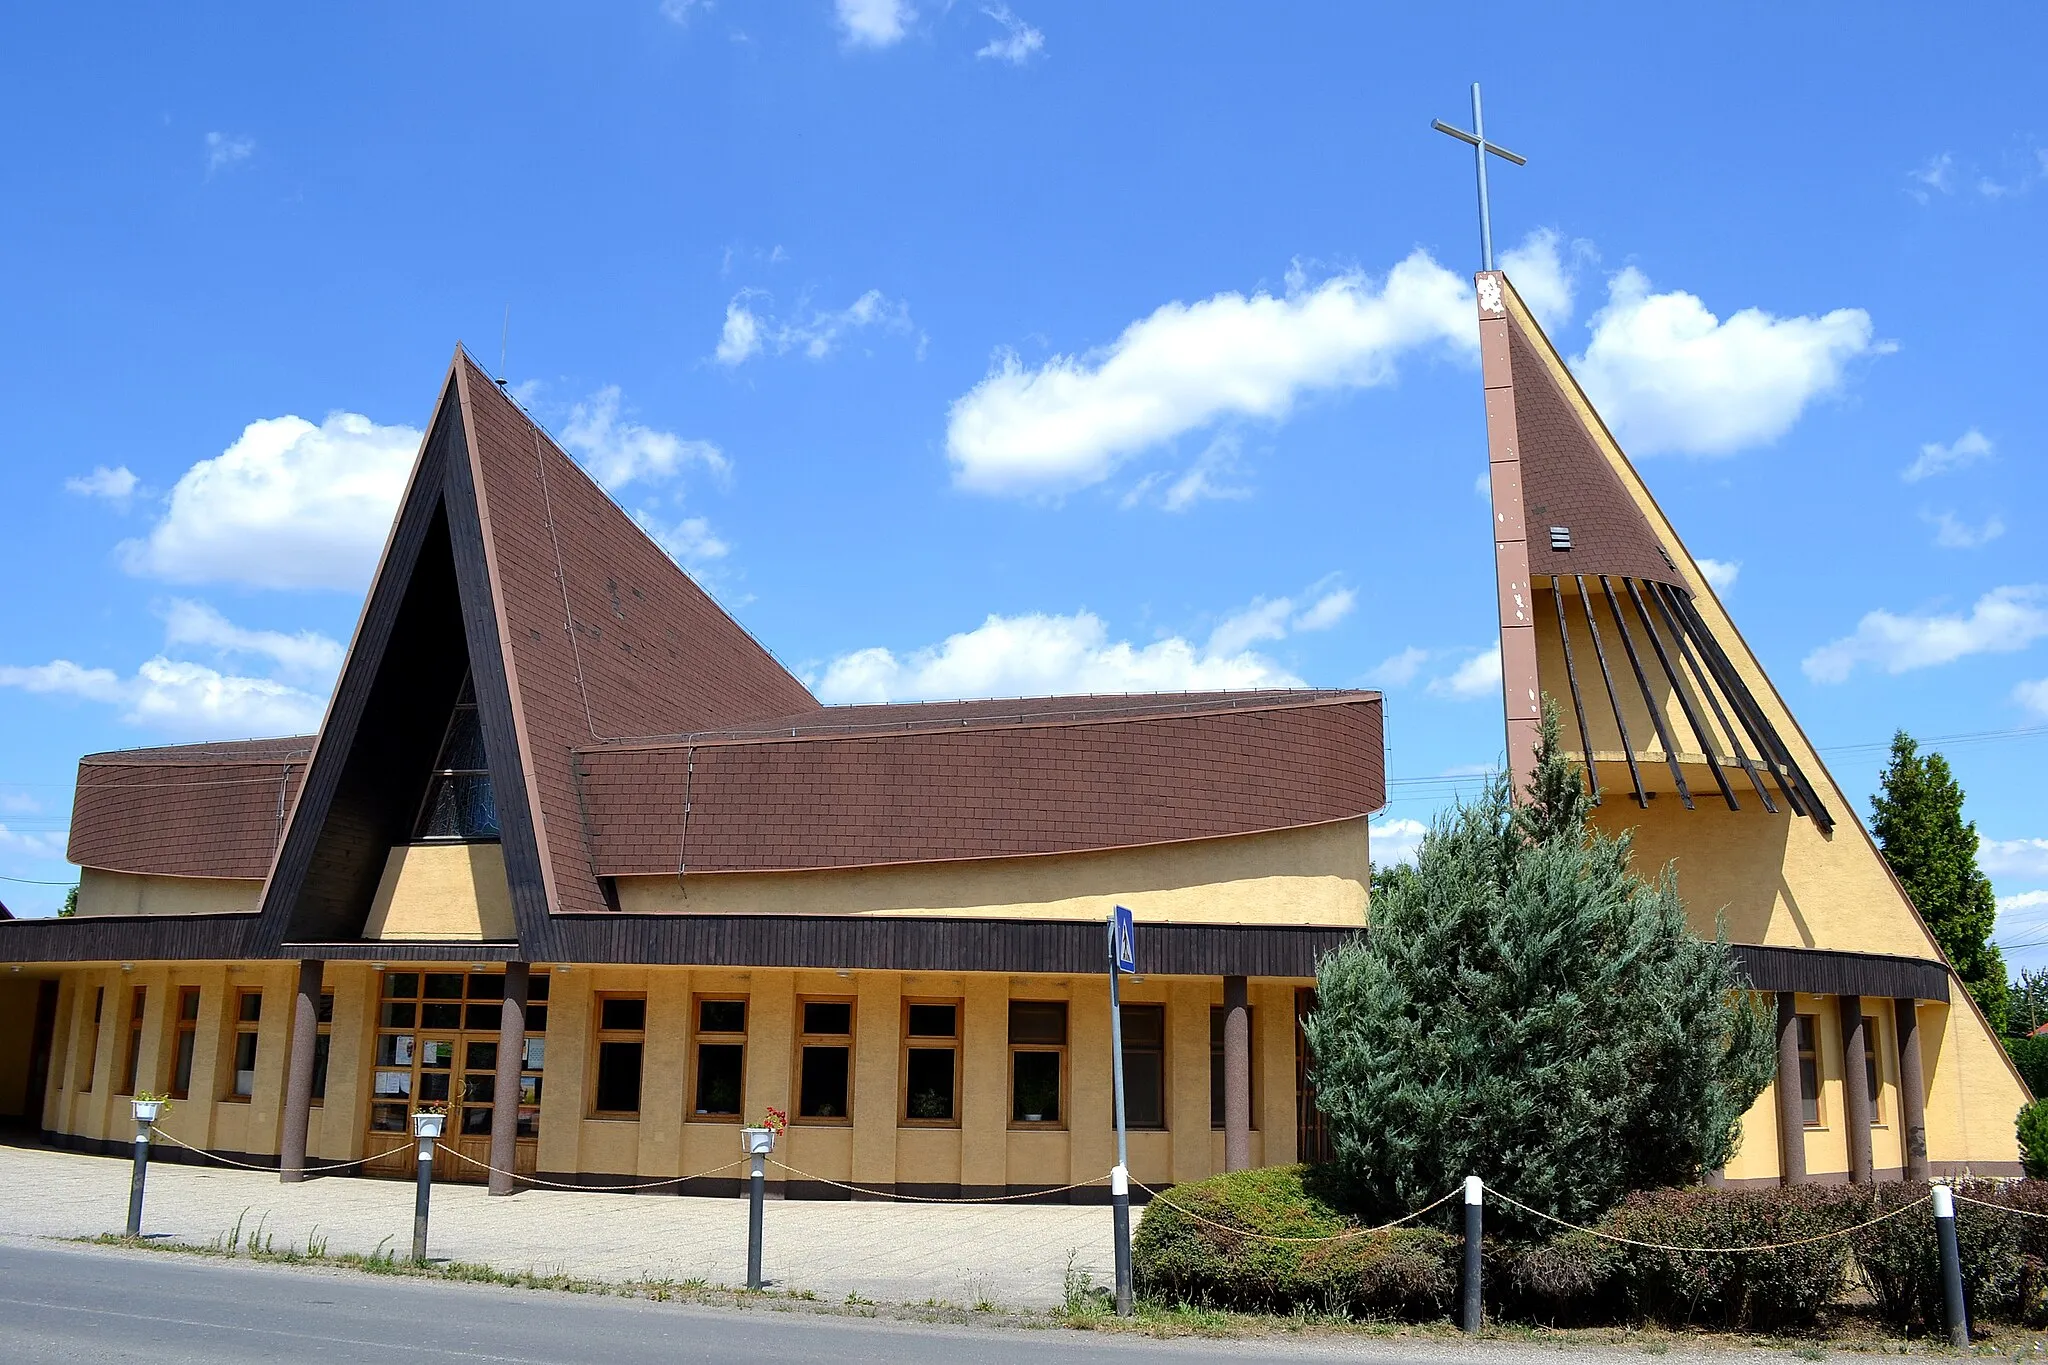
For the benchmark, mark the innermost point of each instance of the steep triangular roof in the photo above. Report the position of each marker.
(508, 561)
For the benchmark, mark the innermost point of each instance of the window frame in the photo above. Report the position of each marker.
(700, 1036)
(1873, 1062)
(323, 1045)
(185, 1041)
(805, 1039)
(599, 1036)
(138, 1006)
(929, 1043)
(1251, 1020)
(465, 700)
(92, 1047)
(252, 1029)
(1164, 1053)
(1014, 1047)
(1810, 1052)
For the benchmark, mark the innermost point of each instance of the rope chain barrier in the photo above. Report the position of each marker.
(938, 1198)
(1660, 1246)
(2002, 1208)
(593, 1189)
(1345, 1235)
(310, 1171)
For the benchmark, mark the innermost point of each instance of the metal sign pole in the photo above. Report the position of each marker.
(1119, 1177)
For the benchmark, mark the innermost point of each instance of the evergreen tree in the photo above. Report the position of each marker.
(2027, 1002)
(1933, 851)
(1526, 1009)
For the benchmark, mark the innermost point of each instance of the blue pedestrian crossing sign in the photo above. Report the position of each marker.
(1123, 940)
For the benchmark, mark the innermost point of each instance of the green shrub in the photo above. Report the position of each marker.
(1901, 1259)
(1409, 1273)
(1770, 1291)
(2032, 1126)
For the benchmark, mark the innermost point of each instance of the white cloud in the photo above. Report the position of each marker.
(115, 485)
(1396, 841)
(1203, 481)
(2002, 621)
(288, 505)
(1275, 619)
(619, 453)
(1542, 276)
(1042, 655)
(1482, 484)
(690, 542)
(1720, 573)
(1400, 669)
(1072, 420)
(1936, 458)
(2012, 857)
(32, 844)
(306, 654)
(680, 12)
(1669, 376)
(2025, 900)
(1937, 175)
(874, 23)
(1952, 534)
(747, 334)
(179, 698)
(1020, 42)
(1327, 610)
(19, 803)
(2033, 695)
(224, 150)
(1476, 678)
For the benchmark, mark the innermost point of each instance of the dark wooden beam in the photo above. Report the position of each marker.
(1659, 593)
(1692, 715)
(1628, 748)
(1650, 702)
(1564, 637)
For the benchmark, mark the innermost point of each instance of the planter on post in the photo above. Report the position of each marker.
(427, 1128)
(146, 1112)
(757, 1143)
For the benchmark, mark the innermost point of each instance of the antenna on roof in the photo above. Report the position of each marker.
(504, 335)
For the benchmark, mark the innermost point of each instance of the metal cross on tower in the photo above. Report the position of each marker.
(1480, 147)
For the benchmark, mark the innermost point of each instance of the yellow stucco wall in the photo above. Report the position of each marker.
(1313, 875)
(130, 893)
(442, 892)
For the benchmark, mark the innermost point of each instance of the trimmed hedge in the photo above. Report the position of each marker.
(1409, 1273)
(1575, 1278)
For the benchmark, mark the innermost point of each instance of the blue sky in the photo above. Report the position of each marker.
(981, 348)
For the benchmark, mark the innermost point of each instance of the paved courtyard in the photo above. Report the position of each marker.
(1011, 1254)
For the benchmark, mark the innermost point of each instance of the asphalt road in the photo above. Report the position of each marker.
(76, 1304)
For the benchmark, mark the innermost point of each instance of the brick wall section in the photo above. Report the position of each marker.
(984, 791)
(193, 810)
(1566, 481)
(653, 654)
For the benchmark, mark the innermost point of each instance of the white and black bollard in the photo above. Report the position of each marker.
(427, 1128)
(1952, 1307)
(1470, 1313)
(1120, 1209)
(145, 1119)
(757, 1143)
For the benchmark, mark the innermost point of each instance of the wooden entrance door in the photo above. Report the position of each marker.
(437, 1045)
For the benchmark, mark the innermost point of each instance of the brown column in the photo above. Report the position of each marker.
(1855, 1088)
(505, 1098)
(1237, 1074)
(1912, 1089)
(298, 1076)
(1791, 1101)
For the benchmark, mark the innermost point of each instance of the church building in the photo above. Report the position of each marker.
(575, 857)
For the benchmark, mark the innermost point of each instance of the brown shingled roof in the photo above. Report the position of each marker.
(189, 810)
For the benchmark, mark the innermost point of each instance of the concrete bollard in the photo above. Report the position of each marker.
(1469, 1312)
(1952, 1308)
(1120, 1227)
(427, 1128)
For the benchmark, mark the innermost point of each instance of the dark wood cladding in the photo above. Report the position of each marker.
(1820, 971)
(992, 791)
(128, 938)
(918, 944)
(193, 810)
(390, 951)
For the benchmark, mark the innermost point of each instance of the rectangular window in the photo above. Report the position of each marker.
(248, 1019)
(824, 1061)
(137, 999)
(1809, 1068)
(931, 1063)
(92, 1040)
(1216, 1013)
(1144, 1029)
(458, 1068)
(187, 1042)
(721, 1058)
(1038, 1053)
(324, 1017)
(1870, 1069)
(621, 1041)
